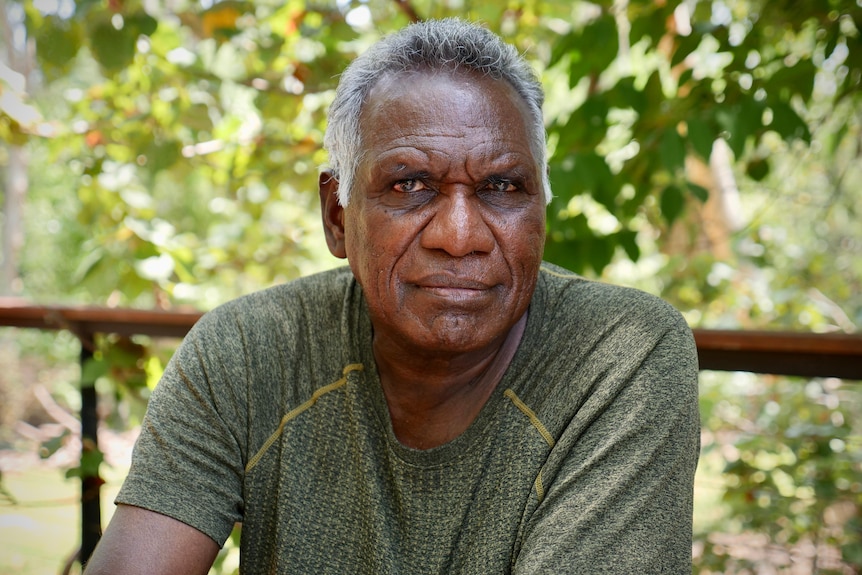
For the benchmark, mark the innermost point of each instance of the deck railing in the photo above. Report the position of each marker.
(780, 353)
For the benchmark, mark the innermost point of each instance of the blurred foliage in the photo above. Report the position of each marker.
(793, 453)
(191, 136)
(174, 150)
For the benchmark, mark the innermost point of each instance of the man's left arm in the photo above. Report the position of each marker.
(620, 499)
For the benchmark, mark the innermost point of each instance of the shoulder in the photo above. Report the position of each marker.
(568, 299)
(316, 299)
(592, 346)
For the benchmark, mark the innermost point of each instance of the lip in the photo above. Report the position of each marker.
(453, 290)
(445, 282)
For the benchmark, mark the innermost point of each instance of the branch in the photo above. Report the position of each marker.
(408, 10)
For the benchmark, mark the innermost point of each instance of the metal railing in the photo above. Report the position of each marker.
(778, 353)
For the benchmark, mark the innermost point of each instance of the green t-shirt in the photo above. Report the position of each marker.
(271, 414)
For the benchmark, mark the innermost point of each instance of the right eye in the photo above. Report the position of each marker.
(409, 186)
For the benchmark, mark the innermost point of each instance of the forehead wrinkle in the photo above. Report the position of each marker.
(482, 165)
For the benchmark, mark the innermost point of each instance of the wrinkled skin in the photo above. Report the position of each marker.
(444, 229)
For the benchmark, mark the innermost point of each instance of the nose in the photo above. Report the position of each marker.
(458, 226)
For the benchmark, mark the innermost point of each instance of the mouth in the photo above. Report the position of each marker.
(451, 282)
(453, 288)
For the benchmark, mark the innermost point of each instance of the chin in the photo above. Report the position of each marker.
(462, 333)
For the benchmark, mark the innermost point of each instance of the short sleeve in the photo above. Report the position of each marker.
(620, 500)
(188, 460)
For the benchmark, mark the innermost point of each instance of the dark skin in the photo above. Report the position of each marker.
(444, 231)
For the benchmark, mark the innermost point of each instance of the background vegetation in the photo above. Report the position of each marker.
(165, 154)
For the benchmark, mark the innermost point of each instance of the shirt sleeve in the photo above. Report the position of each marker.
(188, 461)
(619, 490)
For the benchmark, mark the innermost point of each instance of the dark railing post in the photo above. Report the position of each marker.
(91, 482)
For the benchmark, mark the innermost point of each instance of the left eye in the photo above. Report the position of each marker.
(500, 186)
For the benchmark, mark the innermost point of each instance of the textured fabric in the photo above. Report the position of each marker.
(582, 461)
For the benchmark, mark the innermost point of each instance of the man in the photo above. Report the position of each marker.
(447, 403)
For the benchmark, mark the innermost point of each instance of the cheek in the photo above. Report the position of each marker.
(524, 239)
(371, 252)
(356, 246)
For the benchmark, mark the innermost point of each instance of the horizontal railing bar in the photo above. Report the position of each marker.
(772, 352)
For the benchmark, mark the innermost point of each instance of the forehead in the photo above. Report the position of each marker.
(426, 106)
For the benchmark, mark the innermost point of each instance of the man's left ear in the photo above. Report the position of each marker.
(332, 213)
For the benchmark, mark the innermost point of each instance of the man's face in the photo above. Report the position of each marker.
(445, 226)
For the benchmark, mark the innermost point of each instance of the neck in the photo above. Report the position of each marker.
(433, 398)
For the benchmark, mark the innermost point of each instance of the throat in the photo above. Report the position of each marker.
(431, 407)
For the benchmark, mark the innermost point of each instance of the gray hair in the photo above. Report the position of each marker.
(433, 45)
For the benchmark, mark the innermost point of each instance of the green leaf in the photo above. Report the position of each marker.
(791, 80)
(698, 192)
(114, 49)
(672, 150)
(672, 203)
(787, 122)
(58, 42)
(627, 239)
(564, 45)
(92, 370)
(91, 460)
(648, 19)
(585, 128)
(757, 169)
(601, 252)
(89, 264)
(142, 23)
(685, 45)
(51, 446)
(625, 95)
(592, 174)
(592, 49)
(568, 244)
(700, 137)
(741, 122)
(653, 92)
(162, 155)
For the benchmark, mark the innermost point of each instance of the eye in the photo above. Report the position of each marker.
(500, 185)
(409, 186)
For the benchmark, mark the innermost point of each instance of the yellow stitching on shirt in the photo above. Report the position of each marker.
(530, 415)
(543, 431)
(299, 409)
(558, 274)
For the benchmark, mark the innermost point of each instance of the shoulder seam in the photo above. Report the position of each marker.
(531, 415)
(568, 276)
(538, 484)
(293, 413)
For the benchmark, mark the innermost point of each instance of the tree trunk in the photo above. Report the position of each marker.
(15, 177)
(16, 183)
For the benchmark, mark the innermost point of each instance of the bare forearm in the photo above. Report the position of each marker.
(139, 542)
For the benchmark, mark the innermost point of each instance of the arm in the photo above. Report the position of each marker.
(619, 480)
(182, 495)
(139, 542)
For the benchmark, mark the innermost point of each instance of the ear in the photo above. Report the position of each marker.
(332, 213)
